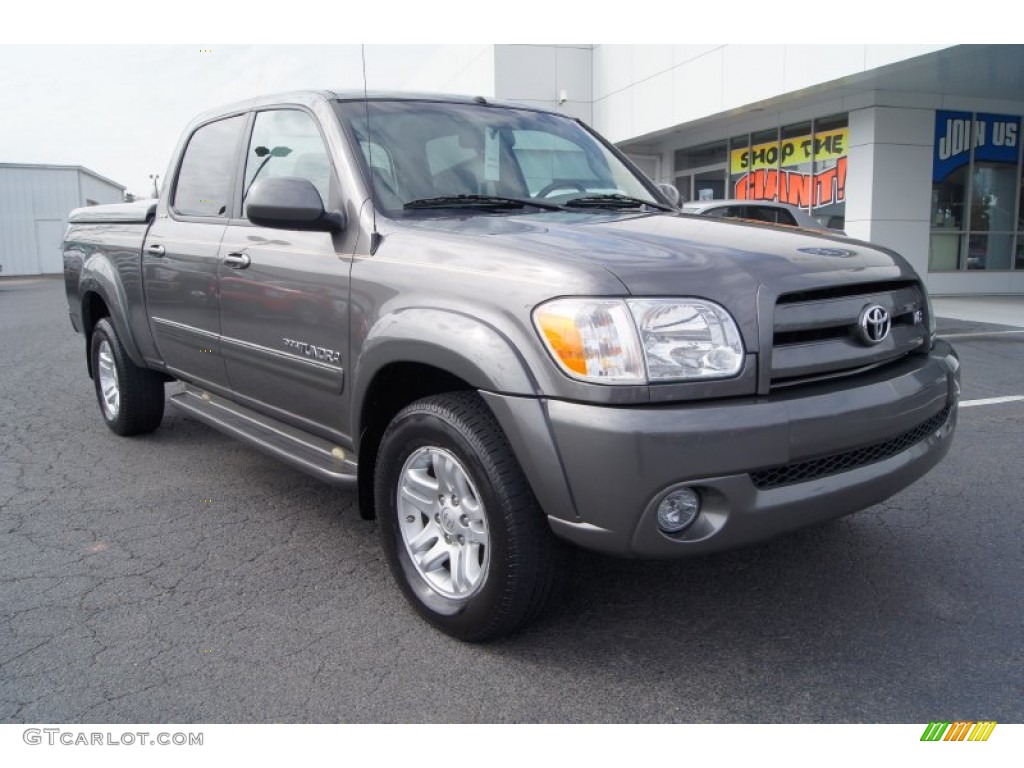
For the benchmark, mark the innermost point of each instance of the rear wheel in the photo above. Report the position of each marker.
(461, 529)
(131, 398)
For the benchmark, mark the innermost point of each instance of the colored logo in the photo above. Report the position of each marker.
(959, 731)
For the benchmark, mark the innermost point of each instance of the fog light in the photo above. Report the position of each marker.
(678, 509)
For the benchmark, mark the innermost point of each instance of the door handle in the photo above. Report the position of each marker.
(156, 250)
(237, 260)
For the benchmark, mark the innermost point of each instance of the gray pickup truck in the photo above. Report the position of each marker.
(486, 319)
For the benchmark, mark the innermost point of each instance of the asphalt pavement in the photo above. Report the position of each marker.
(183, 577)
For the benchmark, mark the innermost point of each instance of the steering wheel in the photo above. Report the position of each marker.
(561, 184)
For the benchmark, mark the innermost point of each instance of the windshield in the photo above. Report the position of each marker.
(427, 155)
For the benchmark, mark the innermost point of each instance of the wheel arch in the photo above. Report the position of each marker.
(94, 308)
(417, 352)
(393, 387)
(102, 295)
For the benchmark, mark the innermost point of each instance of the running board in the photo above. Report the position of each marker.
(301, 450)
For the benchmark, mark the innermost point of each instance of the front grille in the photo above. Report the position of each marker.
(816, 335)
(803, 471)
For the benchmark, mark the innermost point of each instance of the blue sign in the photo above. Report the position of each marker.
(994, 139)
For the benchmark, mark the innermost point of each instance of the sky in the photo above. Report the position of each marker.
(119, 109)
(119, 105)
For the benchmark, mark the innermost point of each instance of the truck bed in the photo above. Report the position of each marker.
(117, 213)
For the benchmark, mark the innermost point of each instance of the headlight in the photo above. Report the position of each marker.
(634, 341)
(687, 339)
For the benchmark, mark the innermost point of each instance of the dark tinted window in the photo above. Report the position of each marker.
(725, 212)
(204, 181)
(769, 214)
(785, 217)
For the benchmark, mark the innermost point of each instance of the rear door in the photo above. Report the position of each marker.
(180, 256)
(284, 294)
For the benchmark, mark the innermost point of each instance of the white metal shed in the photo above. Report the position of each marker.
(35, 201)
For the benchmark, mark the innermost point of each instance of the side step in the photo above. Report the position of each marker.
(301, 450)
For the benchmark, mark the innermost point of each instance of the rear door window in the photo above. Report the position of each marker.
(771, 214)
(726, 212)
(205, 178)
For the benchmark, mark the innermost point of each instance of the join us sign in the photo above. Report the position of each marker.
(994, 139)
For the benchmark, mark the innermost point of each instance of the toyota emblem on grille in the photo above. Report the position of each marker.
(874, 324)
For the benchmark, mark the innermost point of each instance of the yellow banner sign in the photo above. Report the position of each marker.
(827, 145)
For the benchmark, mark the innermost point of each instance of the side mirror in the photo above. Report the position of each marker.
(670, 191)
(288, 202)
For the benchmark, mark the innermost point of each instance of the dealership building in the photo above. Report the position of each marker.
(914, 147)
(35, 202)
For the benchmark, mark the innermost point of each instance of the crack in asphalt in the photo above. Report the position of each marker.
(124, 597)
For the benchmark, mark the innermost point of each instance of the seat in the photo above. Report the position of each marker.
(316, 167)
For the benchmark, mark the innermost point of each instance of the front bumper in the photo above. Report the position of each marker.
(763, 466)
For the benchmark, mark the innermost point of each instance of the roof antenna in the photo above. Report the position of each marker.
(375, 237)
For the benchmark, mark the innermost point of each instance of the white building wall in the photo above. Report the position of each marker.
(34, 206)
(889, 195)
(101, 191)
(640, 89)
(556, 77)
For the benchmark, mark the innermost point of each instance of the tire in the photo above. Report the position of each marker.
(445, 468)
(131, 398)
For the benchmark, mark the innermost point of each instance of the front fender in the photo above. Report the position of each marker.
(457, 343)
(486, 359)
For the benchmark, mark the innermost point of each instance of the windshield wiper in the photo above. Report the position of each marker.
(613, 201)
(478, 201)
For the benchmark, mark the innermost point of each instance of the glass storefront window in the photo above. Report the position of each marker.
(976, 207)
(700, 172)
(796, 165)
(993, 196)
(698, 157)
(709, 185)
(683, 184)
(944, 255)
(947, 217)
(948, 197)
(738, 146)
(831, 139)
(764, 163)
(1019, 260)
(801, 164)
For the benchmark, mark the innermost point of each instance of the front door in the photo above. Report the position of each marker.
(284, 294)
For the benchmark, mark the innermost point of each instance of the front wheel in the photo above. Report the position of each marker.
(460, 527)
(131, 398)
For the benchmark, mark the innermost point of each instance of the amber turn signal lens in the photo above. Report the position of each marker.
(563, 337)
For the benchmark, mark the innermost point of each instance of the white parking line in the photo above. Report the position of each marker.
(991, 401)
(977, 334)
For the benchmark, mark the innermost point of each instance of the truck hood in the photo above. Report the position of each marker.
(657, 254)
